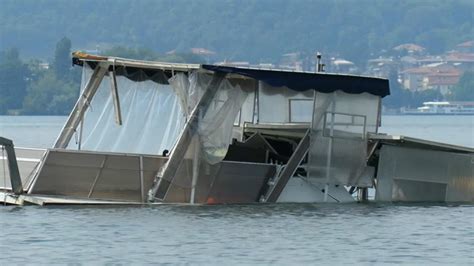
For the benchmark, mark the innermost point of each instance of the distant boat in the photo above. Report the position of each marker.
(442, 108)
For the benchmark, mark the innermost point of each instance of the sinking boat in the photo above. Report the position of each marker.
(147, 132)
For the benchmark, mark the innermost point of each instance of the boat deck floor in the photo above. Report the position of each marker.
(8, 198)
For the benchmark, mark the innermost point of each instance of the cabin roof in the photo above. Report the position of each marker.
(298, 81)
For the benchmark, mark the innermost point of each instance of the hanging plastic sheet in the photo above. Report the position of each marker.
(215, 127)
(338, 148)
(151, 114)
(197, 170)
(247, 111)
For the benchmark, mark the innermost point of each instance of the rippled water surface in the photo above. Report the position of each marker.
(261, 234)
(284, 234)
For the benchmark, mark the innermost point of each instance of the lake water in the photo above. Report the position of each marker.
(282, 234)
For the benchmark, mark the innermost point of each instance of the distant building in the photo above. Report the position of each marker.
(410, 48)
(463, 61)
(43, 65)
(414, 78)
(438, 76)
(233, 63)
(291, 61)
(382, 66)
(342, 66)
(266, 65)
(466, 47)
(205, 53)
(202, 52)
(443, 81)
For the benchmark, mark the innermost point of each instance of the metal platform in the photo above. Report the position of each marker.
(28, 160)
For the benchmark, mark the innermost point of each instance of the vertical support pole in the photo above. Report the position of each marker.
(79, 145)
(379, 115)
(363, 194)
(163, 180)
(115, 95)
(197, 149)
(259, 87)
(255, 98)
(329, 156)
(81, 105)
(142, 187)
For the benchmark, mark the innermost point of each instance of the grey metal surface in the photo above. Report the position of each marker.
(225, 182)
(94, 175)
(409, 174)
(239, 182)
(122, 177)
(141, 63)
(400, 140)
(14, 173)
(27, 159)
(28, 199)
(294, 130)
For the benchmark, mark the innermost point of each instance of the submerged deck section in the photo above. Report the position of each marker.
(417, 170)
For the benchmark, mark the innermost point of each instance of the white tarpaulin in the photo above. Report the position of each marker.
(151, 117)
(215, 128)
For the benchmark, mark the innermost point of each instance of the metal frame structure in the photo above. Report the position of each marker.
(15, 179)
(157, 186)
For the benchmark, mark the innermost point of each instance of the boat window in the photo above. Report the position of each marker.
(349, 126)
(283, 105)
(298, 110)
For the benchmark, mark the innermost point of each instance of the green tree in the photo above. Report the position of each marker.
(464, 90)
(148, 54)
(133, 53)
(419, 97)
(14, 76)
(50, 96)
(62, 59)
(398, 95)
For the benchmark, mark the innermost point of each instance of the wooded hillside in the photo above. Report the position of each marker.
(256, 31)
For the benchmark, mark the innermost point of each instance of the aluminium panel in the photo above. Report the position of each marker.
(413, 174)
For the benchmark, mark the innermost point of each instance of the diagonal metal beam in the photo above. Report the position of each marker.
(115, 96)
(81, 105)
(163, 181)
(290, 169)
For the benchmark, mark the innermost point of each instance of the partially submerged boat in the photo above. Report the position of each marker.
(152, 133)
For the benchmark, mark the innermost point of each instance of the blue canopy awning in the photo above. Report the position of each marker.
(301, 81)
